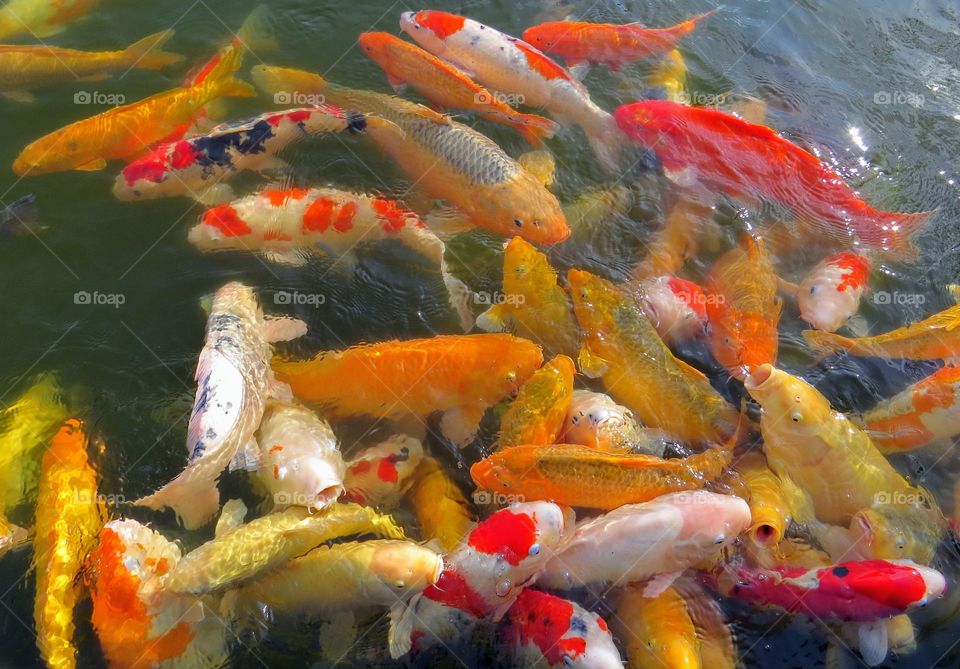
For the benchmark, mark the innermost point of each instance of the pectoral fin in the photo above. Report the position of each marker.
(591, 364)
(92, 166)
(283, 328)
(231, 516)
(460, 424)
(540, 164)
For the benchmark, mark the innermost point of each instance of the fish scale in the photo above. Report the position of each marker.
(466, 150)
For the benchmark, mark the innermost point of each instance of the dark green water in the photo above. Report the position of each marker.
(873, 87)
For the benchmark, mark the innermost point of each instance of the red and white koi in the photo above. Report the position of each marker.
(285, 224)
(381, 474)
(483, 577)
(234, 380)
(300, 463)
(676, 307)
(830, 294)
(510, 65)
(544, 630)
(200, 165)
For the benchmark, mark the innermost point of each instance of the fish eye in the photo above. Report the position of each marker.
(517, 222)
(534, 550)
(728, 341)
(813, 290)
(536, 223)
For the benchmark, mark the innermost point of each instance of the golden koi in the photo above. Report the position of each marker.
(538, 413)
(443, 513)
(41, 18)
(657, 632)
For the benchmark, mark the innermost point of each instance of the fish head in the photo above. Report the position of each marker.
(524, 207)
(525, 267)
(744, 342)
(642, 122)
(594, 302)
(430, 28)
(405, 567)
(505, 470)
(675, 307)
(513, 362)
(592, 417)
(790, 404)
(710, 520)
(899, 584)
(146, 178)
(378, 47)
(220, 228)
(830, 294)
(524, 533)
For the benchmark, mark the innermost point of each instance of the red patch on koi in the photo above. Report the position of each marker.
(150, 168)
(278, 197)
(319, 215)
(224, 218)
(344, 220)
(393, 217)
(182, 155)
(690, 294)
(505, 533)
(452, 590)
(543, 619)
(361, 467)
(541, 64)
(387, 470)
(859, 270)
(276, 236)
(276, 471)
(442, 24)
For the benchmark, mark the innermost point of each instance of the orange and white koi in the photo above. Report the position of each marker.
(141, 624)
(677, 308)
(341, 577)
(595, 420)
(926, 411)
(657, 540)
(234, 381)
(445, 159)
(745, 309)
(460, 375)
(442, 511)
(446, 86)
(830, 294)
(543, 630)
(246, 551)
(610, 44)
(24, 68)
(622, 347)
(510, 65)
(70, 514)
(127, 130)
(300, 463)
(285, 225)
(534, 306)
(482, 578)
(379, 475)
(41, 18)
(199, 166)
(936, 337)
(749, 161)
(537, 414)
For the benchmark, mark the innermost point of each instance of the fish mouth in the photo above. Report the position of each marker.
(759, 377)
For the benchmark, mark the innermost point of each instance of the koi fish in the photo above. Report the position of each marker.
(446, 160)
(140, 624)
(540, 309)
(199, 166)
(460, 375)
(442, 511)
(656, 631)
(585, 477)
(300, 463)
(342, 577)
(244, 552)
(27, 425)
(24, 68)
(379, 475)
(127, 130)
(537, 414)
(605, 43)
(891, 532)
(543, 630)
(821, 450)
(622, 348)
(593, 208)
(677, 308)
(234, 381)
(510, 65)
(482, 578)
(676, 241)
(864, 591)
(718, 648)
(926, 411)
(596, 421)
(446, 86)
(69, 517)
(743, 159)
(285, 225)
(41, 18)
(769, 506)
(655, 541)
(830, 294)
(745, 309)
(933, 338)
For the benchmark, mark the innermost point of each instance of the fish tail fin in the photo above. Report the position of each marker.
(148, 53)
(902, 246)
(257, 35)
(690, 24)
(459, 296)
(825, 342)
(193, 504)
(400, 634)
(492, 320)
(606, 140)
(533, 128)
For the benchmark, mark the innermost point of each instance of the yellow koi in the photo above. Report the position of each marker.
(538, 413)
